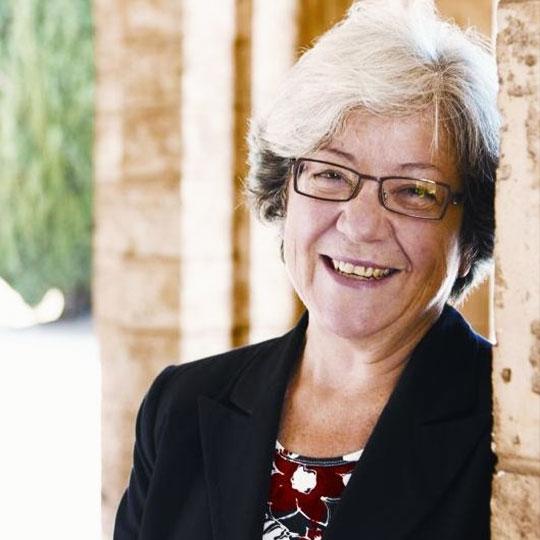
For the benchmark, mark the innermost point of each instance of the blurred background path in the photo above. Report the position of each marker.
(49, 420)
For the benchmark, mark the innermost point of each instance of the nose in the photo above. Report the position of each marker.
(364, 219)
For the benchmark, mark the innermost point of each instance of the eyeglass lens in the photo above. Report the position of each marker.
(409, 196)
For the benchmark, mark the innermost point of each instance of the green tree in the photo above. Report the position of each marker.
(46, 132)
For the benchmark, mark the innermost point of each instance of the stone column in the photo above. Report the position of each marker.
(271, 297)
(206, 192)
(516, 378)
(136, 241)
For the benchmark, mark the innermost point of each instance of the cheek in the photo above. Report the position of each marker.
(296, 245)
(293, 245)
(303, 224)
(433, 251)
(302, 231)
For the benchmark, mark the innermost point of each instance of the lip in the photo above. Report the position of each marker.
(357, 262)
(355, 283)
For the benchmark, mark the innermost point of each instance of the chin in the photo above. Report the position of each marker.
(344, 326)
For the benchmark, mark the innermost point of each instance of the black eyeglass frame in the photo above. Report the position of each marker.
(453, 198)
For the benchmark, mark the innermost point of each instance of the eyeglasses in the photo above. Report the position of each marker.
(414, 197)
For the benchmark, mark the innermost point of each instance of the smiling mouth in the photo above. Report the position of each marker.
(363, 273)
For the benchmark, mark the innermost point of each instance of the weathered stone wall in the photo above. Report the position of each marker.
(516, 487)
(136, 242)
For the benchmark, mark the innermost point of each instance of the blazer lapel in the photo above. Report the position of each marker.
(423, 436)
(238, 433)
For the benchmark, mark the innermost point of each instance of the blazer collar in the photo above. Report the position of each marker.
(429, 426)
(421, 439)
(271, 370)
(441, 374)
(238, 434)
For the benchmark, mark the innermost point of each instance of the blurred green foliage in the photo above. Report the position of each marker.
(46, 132)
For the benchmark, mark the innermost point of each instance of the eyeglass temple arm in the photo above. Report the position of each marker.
(456, 198)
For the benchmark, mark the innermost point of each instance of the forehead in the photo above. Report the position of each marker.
(367, 140)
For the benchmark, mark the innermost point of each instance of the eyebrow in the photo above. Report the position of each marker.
(420, 165)
(424, 166)
(339, 152)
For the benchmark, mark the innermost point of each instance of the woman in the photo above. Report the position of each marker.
(372, 418)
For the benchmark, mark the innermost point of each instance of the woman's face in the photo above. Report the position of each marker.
(422, 256)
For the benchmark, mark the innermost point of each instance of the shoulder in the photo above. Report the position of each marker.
(177, 388)
(450, 369)
(471, 360)
(475, 349)
(454, 331)
(213, 375)
(480, 349)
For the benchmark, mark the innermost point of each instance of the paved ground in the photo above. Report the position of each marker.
(49, 425)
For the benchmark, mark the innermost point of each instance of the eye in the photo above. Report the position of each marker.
(332, 178)
(331, 175)
(419, 192)
(410, 194)
(325, 180)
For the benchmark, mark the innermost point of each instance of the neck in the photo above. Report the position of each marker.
(372, 363)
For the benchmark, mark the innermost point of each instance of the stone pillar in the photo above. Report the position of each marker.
(516, 377)
(271, 297)
(206, 203)
(136, 241)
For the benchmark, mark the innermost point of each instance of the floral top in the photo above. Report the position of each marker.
(304, 493)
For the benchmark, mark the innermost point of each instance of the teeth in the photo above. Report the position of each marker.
(361, 271)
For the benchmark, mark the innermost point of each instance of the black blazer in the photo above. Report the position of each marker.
(206, 432)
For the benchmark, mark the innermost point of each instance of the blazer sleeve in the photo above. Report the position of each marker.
(149, 419)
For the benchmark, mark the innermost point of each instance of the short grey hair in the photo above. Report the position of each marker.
(396, 59)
